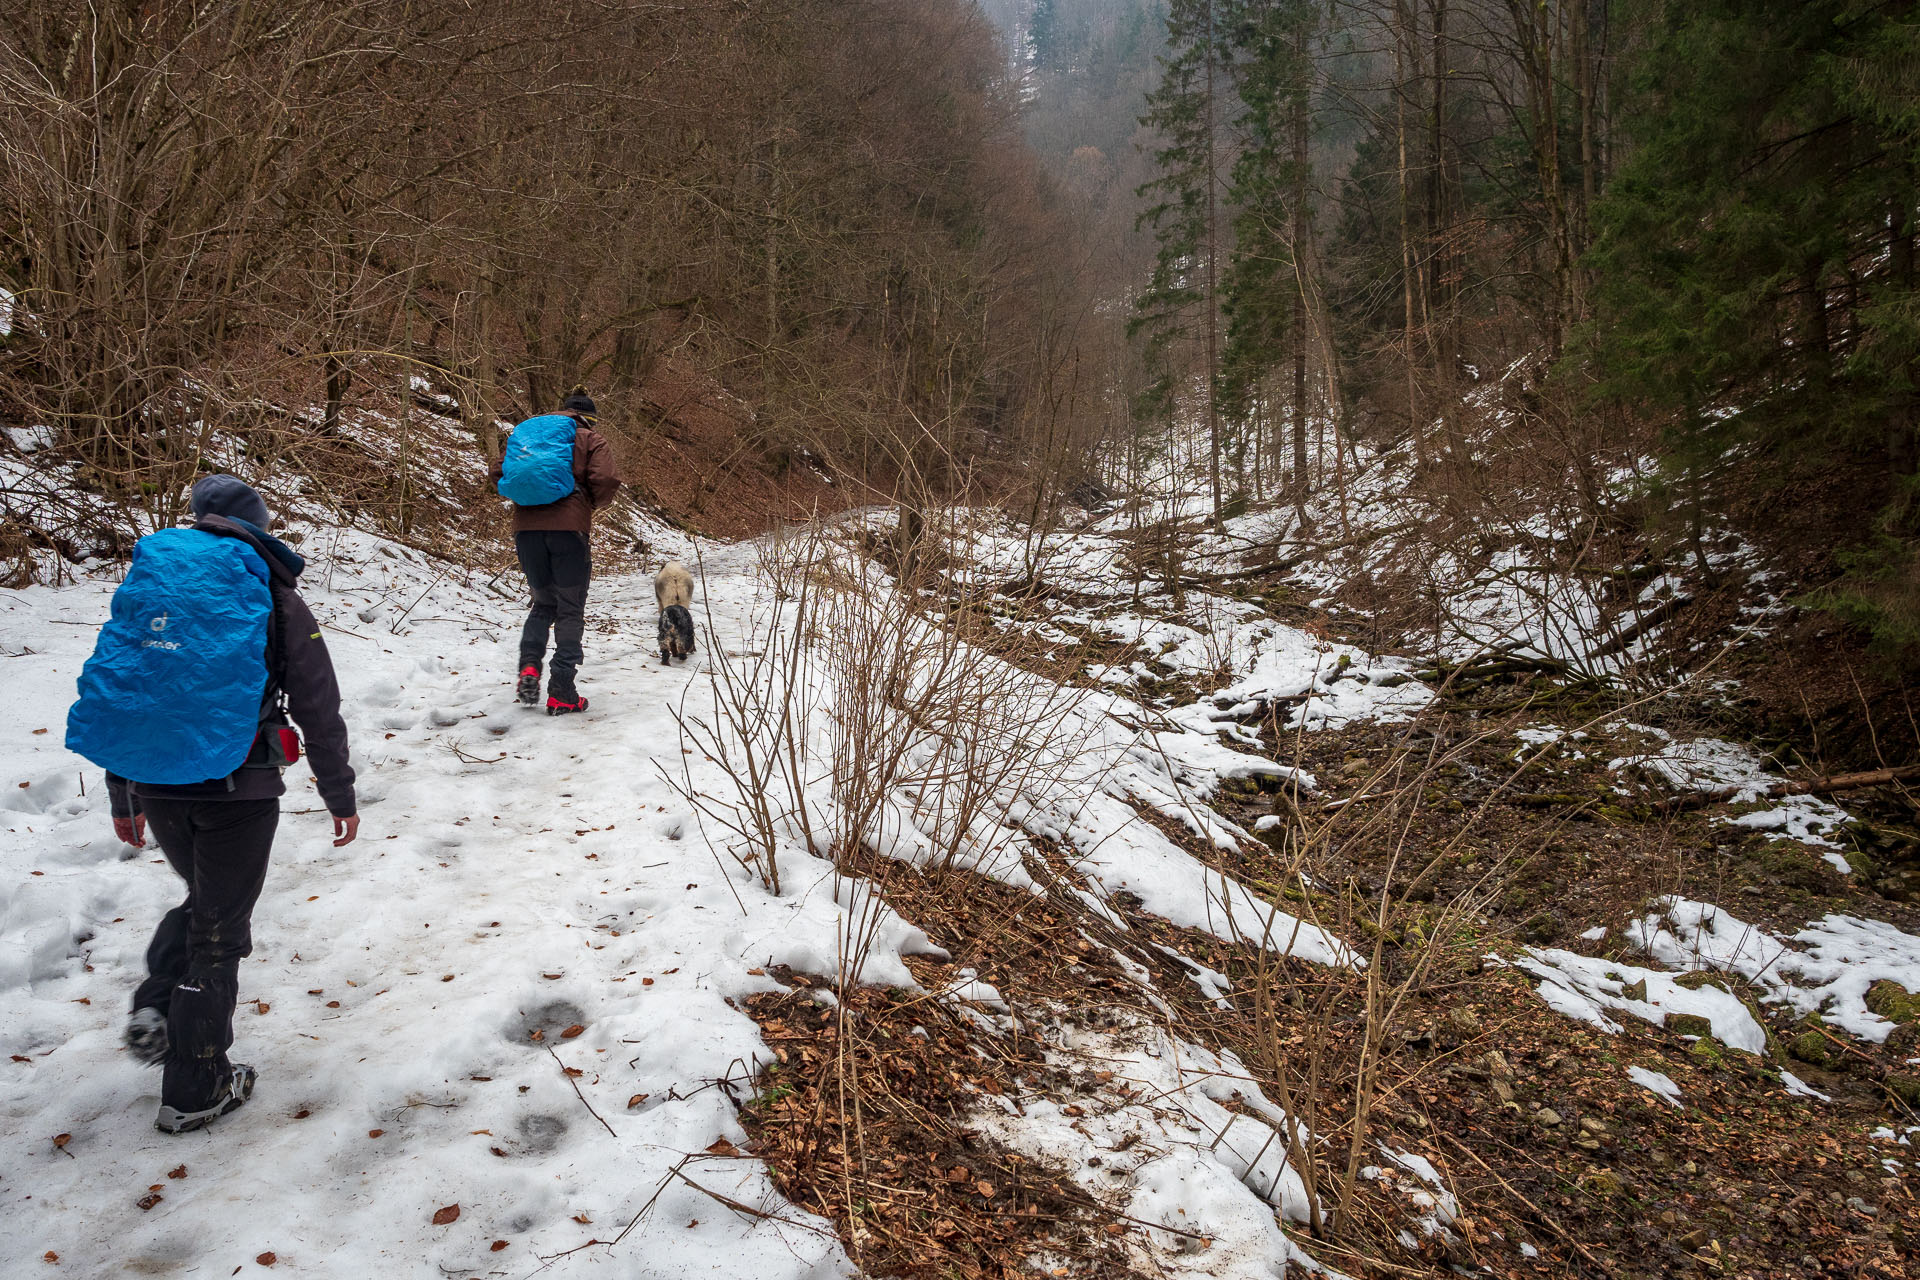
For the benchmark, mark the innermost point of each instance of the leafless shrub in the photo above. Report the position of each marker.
(858, 717)
(759, 726)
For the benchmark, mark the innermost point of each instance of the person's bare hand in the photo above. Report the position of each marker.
(345, 829)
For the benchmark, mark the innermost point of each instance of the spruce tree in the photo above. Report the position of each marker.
(1043, 32)
(1181, 293)
(1263, 288)
(1754, 280)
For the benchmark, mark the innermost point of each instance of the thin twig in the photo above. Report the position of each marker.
(1533, 1208)
(576, 1093)
(739, 1207)
(635, 1220)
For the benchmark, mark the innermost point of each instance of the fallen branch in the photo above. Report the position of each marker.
(1472, 674)
(421, 400)
(1796, 787)
(466, 758)
(1273, 566)
(1855, 781)
(1657, 616)
(664, 1183)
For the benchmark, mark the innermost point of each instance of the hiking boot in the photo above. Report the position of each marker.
(146, 1036)
(528, 687)
(236, 1091)
(557, 707)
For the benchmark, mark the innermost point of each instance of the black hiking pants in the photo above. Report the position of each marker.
(558, 565)
(220, 848)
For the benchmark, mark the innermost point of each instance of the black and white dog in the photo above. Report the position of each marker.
(673, 590)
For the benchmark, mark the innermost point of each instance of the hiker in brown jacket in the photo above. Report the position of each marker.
(554, 544)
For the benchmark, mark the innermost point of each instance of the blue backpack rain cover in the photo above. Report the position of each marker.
(537, 467)
(173, 690)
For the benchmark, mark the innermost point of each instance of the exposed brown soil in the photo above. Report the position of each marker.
(688, 452)
(867, 1121)
(1529, 1115)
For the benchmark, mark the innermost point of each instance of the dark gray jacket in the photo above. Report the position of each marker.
(300, 667)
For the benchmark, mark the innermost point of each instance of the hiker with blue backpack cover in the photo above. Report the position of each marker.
(557, 471)
(185, 703)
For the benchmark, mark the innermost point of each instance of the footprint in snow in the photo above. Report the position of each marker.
(549, 1019)
(540, 1134)
(382, 693)
(57, 794)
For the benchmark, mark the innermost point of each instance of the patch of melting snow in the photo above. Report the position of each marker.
(1800, 1088)
(1698, 764)
(30, 439)
(1659, 1084)
(1336, 684)
(1546, 734)
(1213, 984)
(1533, 738)
(1807, 819)
(1264, 662)
(1826, 967)
(969, 987)
(1582, 987)
(1155, 1142)
(1716, 765)
(1121, 758)
(1438, 1206)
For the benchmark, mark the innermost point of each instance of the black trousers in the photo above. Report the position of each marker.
(558, 565)
(220, 848)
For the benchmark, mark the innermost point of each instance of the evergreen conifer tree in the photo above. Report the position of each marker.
(1181, 293)
(1043, 31)
(1262, 291)
(1754, 274)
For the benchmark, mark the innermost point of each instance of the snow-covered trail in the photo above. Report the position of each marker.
(514, 874)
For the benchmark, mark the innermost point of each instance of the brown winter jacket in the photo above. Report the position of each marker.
(595, 485)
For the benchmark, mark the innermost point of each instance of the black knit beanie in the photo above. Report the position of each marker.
(225, 495)
(580, 402)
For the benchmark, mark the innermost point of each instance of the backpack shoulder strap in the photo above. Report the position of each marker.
(276, 645)
(580, 423)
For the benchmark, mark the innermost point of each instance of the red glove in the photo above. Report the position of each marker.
(132, 830)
